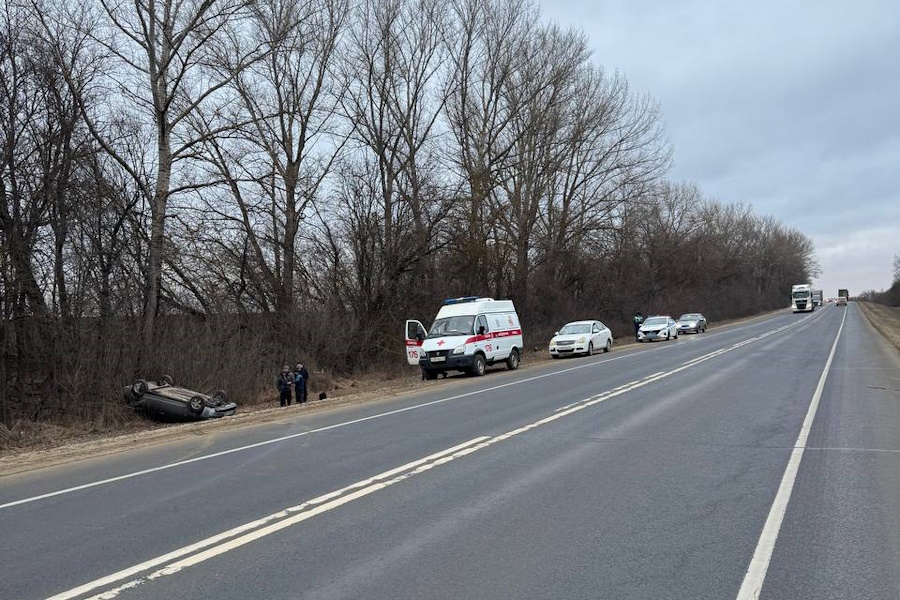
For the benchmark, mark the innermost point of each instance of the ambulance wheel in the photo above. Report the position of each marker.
(512, 362)
(429, 375)
(478, 366)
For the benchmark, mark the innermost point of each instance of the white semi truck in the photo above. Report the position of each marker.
(801, 298)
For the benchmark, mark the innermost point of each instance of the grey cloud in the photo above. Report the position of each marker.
(791, 107)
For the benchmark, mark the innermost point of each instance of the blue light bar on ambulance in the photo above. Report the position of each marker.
(460, 300)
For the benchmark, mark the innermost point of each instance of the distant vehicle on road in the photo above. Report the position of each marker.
(801, 298)
(817, 297)
(658, 327)
(166, 402)
(692, 323)
(842, 301)
(581, 337)
(844, 293)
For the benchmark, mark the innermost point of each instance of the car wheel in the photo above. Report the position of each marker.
(479, 366)
(512, 362)
(129, 397)
(590, 351)
(139, 388)
(608, 345)
(429, 375)
(196, 404)
(220, 397)
(165, 380)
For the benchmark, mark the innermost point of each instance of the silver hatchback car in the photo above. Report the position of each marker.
(691, 323)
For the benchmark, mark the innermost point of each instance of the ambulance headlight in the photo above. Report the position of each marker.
(460, 349)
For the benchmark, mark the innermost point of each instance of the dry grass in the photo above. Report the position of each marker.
(31, 445)
(26, 435)
(884, 319)
(36, 444)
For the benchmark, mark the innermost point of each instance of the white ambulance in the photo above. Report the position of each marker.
(468, 334)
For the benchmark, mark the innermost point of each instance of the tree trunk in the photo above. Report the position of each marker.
(285, 298)
(157, 235)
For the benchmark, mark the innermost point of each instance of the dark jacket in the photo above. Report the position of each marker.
(284, 382)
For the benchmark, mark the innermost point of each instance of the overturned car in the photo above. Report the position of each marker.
(163, 401)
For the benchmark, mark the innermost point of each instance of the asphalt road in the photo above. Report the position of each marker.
(760, 460)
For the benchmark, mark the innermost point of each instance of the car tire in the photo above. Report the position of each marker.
(221, 397)
(479, 365)
(590, 351)
(139, 388)
(165, 380)
(196, 404)
(608, 346)
(429, 375)
(512, 361)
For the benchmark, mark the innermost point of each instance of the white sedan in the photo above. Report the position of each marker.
(658, 327)
(581, 337)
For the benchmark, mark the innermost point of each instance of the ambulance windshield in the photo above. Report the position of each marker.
(452, 326)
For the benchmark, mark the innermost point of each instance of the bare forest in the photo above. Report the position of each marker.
(214, 188)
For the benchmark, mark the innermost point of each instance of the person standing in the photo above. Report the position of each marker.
(301, 376)
(638, 321)
(284, 385)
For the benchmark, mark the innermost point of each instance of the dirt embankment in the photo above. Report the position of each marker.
(36, 445)
(884, 319)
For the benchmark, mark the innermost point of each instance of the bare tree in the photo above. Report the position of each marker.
(542, 92)
(614, 152)
(480, 113)
(394, 101)
(24, 207)
(284, 134)
(159, 67)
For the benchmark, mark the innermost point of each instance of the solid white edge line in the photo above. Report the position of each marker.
(755, 577)
(238, 536)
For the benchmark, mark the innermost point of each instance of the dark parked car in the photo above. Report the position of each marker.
(691, 323)
(164, 401)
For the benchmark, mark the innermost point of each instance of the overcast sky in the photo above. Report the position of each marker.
(792, 107)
